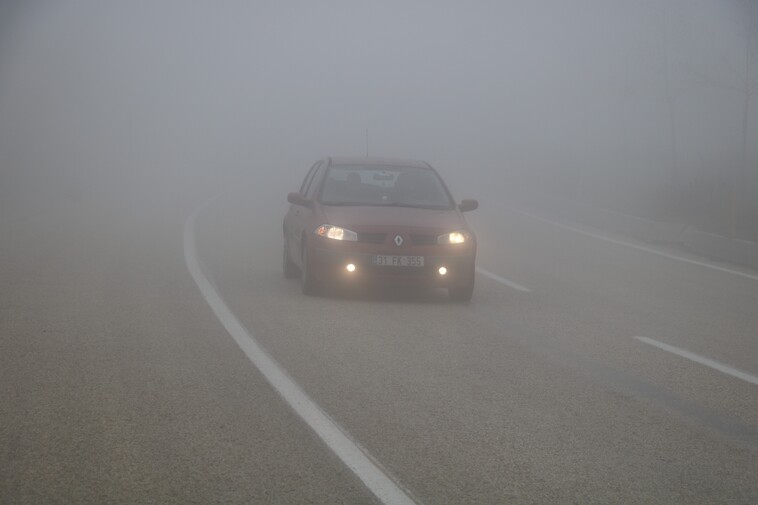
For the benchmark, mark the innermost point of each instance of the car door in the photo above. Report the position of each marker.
(297, 217)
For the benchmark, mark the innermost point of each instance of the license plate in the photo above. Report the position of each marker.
(397, 261)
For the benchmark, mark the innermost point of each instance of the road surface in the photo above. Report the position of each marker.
(120, 384)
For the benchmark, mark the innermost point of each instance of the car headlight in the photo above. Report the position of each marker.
(335, 232)
(456, 237)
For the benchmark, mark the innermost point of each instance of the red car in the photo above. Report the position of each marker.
(373, 220)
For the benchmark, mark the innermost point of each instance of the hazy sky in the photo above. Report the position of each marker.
(89, 89)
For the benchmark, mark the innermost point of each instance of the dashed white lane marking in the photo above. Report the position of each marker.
(702, 360)
(379, 482)
(502, 280)
(638, 247)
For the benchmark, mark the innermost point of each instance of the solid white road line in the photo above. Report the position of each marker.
(638, 247)
(700, 359)
(379, 482)
(502, 280)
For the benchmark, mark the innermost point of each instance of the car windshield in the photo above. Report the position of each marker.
(384, 185)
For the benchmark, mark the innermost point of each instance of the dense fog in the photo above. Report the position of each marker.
(646, 107)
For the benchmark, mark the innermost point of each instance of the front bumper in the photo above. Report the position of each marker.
(330, 265)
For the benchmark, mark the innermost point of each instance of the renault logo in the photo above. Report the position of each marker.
(398, 240)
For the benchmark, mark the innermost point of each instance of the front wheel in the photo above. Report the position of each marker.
(288, 267)
(462, 292)
(310, 285)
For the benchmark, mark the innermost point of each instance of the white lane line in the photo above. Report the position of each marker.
(702, 360)
(502, 280)
(379, 482)
(638, 247)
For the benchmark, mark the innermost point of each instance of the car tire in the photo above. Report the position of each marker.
(462, 292)
(289, 269)
(310, 285)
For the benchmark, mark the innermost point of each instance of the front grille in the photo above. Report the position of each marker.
(401, 271)
(371, 238)
(424, 239)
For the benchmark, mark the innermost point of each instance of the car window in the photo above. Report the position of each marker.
(308, 177)
(384, 185)
(313, 184)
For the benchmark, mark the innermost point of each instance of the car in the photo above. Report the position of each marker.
(378, 221)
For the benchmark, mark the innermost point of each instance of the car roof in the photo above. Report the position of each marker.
(373, 161)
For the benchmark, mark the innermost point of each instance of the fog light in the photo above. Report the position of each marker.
(442, 270)
(350, 267)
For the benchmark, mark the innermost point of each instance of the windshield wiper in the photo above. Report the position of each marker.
(412, 205)
(349, 204)
(386, 204)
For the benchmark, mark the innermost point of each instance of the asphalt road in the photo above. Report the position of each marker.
(120, 384)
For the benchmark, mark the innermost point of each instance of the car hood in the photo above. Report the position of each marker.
(359, 216)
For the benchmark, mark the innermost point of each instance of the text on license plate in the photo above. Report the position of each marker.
(397, 261)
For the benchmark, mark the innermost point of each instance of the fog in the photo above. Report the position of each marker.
(587, 333)
(644, 107)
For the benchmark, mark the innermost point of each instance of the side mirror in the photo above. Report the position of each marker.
(467, 205)
(296, 198)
